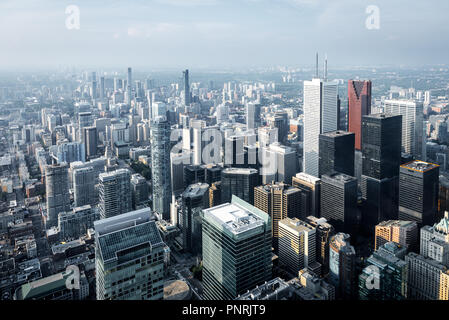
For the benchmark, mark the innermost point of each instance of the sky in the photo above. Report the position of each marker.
(222, 33)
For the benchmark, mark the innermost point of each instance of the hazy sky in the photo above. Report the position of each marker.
(217, 33)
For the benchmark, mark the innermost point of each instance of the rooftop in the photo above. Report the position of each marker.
(419, 166)
(235, 217)
(295, 225)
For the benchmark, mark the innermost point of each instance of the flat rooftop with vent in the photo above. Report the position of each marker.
(420, 166)
(234, 217)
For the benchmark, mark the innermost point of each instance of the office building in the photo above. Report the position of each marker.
(359, 105)
(160, 159)
(194, 174)
(385, 274)
(187, 96)
(90, 141)
(435, 241)
(320, 116)
(297, 244)
(215, 194)
(413, 140)
(339, 200)
(404, 233)
(252, 115)
(57, 192)
(418, 192)
(75, 223)
(336, 152)
(279, 201)
(194, 199)
(342, 264)
(239, 182)
(140, 192)
(115, 193)
(311, 191)
(129, 257)
(324, 232)
(236, 249)
(279, 163)
(424, 276)
(381, 158)
(84, 191)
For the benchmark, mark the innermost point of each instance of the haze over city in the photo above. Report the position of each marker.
(221, 33)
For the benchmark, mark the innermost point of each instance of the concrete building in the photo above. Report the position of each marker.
(115, 193)
(57, 192)
(404, 233)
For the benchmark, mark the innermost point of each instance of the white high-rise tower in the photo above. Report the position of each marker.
(320, 116)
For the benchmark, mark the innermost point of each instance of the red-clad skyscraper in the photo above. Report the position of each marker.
(359, 104)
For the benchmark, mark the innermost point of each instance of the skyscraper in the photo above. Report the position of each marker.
(160, 156)
(418, 192)
(187, 97)
(57, 192)
(129, 83)
(342, 263)
(359, 105)
(339, 200)
(252, 115)
(239, 182)
(404, 233)
(236, 249)
(297, 244)
(279, 201)
(324, 232)
(139, 188)
(381, 158)
(279, 163)
(194, 199)
(84, 192)
(90, 141)
(387, 266)
(311, 190)
(115, 193)
(336, 152)
(413, 140)
(320, 116)
(129, 257)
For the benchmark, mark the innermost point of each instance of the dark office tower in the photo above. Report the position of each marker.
(418, 192)
(279, 201)
(336, 152)
(94, 85)
(236, 249)
(381, 158)
(311, 191)
(84, 192)
(160, 157)
(139, 187)
(359, 105)
(194, 174)
(280, 121)
(215, 194)
(339, 200)
(342, 267)
(90, 141)
(252, 115)
(115, 193)
(194, 199)
(213, 174)
(339, 124)
(57, 192)
(324, 232)
(234, 152)
(240, 182)
(187, 97)
(102, 92)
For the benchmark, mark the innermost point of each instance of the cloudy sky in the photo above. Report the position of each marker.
(222, 33)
